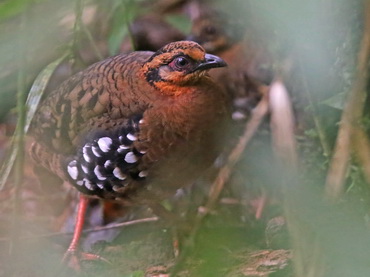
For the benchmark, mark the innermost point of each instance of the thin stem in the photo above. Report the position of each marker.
(127, 23)
(76, 27)
(92, 42)
(316, 118)
(19, 135)
(90, 230)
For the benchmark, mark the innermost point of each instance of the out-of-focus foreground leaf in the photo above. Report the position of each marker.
(33, 100)
(124, 13)
(12, 8)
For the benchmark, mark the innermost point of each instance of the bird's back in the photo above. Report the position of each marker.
(66, 111)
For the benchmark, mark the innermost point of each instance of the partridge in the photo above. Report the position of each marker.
(134, 127)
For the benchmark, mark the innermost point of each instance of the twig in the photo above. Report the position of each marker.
(77, 23)
(90, 230)
(316, 118)
(350, 117)
(92, 41)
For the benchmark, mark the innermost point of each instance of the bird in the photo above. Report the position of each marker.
(134, 127)
(250, 69)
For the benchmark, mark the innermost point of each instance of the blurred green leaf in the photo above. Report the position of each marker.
(33, 100)
(180, 22)
(124, 13)
(119, 31)
(337, 101)
(38, 88)
(10, 8)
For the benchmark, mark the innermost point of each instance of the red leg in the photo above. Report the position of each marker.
(72, 256)
(80, 219)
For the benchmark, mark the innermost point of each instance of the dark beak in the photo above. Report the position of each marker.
(211, 61)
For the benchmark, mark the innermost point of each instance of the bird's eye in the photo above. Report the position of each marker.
(210, 30)
(180, 63)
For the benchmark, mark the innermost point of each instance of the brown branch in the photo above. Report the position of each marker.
(362, 151)
(350, 117)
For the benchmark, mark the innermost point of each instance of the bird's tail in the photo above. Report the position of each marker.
(44, 158)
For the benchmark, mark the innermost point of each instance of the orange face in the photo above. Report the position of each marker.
(179, 64)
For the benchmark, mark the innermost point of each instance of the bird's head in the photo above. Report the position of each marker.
(215, 32)
(179, 63)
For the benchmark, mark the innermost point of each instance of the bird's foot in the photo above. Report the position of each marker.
(73, 258)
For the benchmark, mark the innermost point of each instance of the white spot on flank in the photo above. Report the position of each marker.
(122, 148)
(84, 168)
(143, 173)
(108, 163)
(142, 151)
(80, 182)
(118, 174)
(96, 151)
(100, 185)
(72, 170)
(98, 173)
(141, 121)
(87, 158)
(105, 143)
(88, 184)
(131, 137)
(130, 158)
(85, 148)
(85, 155)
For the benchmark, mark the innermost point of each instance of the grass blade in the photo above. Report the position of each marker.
(33, 100)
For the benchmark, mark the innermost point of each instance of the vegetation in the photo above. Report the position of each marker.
(310, 164)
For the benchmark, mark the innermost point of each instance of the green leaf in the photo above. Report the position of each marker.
(116, 37)
(337, 101)
(10, 8)
(180, 22)
(33, 100)
(124, 13)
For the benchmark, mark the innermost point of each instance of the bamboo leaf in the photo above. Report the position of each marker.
(33, 100)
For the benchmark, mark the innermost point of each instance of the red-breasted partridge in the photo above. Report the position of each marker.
(134, 127)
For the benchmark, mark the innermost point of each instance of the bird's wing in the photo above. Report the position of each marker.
(107, 161)
(86, 95)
